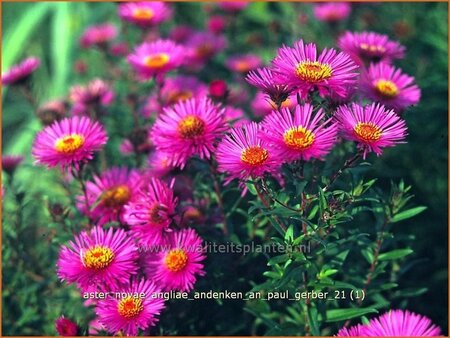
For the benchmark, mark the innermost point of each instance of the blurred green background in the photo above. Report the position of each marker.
(32, 296)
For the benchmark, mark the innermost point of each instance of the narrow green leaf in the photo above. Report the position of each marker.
(394, 254)
(313, 321)
(407, 214)
(337, 315)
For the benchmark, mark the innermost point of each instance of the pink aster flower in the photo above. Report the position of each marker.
(96, 93)
(301, 135)
(98, 258)
(372, 127)
(108, 193)
(332, 11)
(233, 6)
(66, 327)
(145, 14)
(68, 142)
(181, 33)
(52, 111)
(98, 36)
(158, 57)
(300, 67)
(176, 268)
(136, 308)
(368, 47)
(11, 162)
(202, 46)
(235, 116)
(243, 63)
(21, 72)
(385, 84)
(264, 79)
(354, 331)
(243, 155)
(399, 323)
(151, 213)
(216, 23)
(263, 105)
(160, 164)
(188, 128)
(176, 89)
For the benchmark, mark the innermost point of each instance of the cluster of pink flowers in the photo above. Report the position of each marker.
(191, 120)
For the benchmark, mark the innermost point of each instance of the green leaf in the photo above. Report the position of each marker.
(289, 236)
(314, 323)
(395, 254)
(407, 214)
(278, 259)
(367, 253)
(337, 315)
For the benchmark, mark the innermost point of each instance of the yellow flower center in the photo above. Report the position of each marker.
(143, 14)
(157, 60)
(372, 48)
(313, 71)
(254, 156)
(130, 307)
(298, 138)
(367, 132)
(386, 88)
(98, 257)
(176, 260)
(116, 197)
(155, 215)
(191, 126)
(176, 96)
(69, 144)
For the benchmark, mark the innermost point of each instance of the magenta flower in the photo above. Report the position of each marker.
(21, 72)
(202, 46)
(372, 127)
(188, 128)
(216, 24)
(153, 58)
(233, 6)
(176, 268)
(332, 11)
(96, 93)
(145, 14)
(354, 331)
(235, 116)
(98, 36)
(66, 327)
(11, 162)
(301, 135)
(129, 313)
(300, 67)
(107, 194)
(263, 105)
(98, 258)
(243, 63)
(160, 163)
(176, 89)
(385, 84)
(400, 323)
(68, 142)
(243, 155)
(151, 213)
(368, 47)
(264, 79)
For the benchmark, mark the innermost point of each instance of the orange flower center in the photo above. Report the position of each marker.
(254, 156)
(285, 104)
(372, 48)
(191, 126)
(386, 88)
(298, 138)
(313, 71)
(176, 260)
(98, 257)
(116, 197)
(69, 144)
(130, 307)
(242, 66)
(143, 14)
(204, 50)
(157, 60)
(176, 96)
(367, 132)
